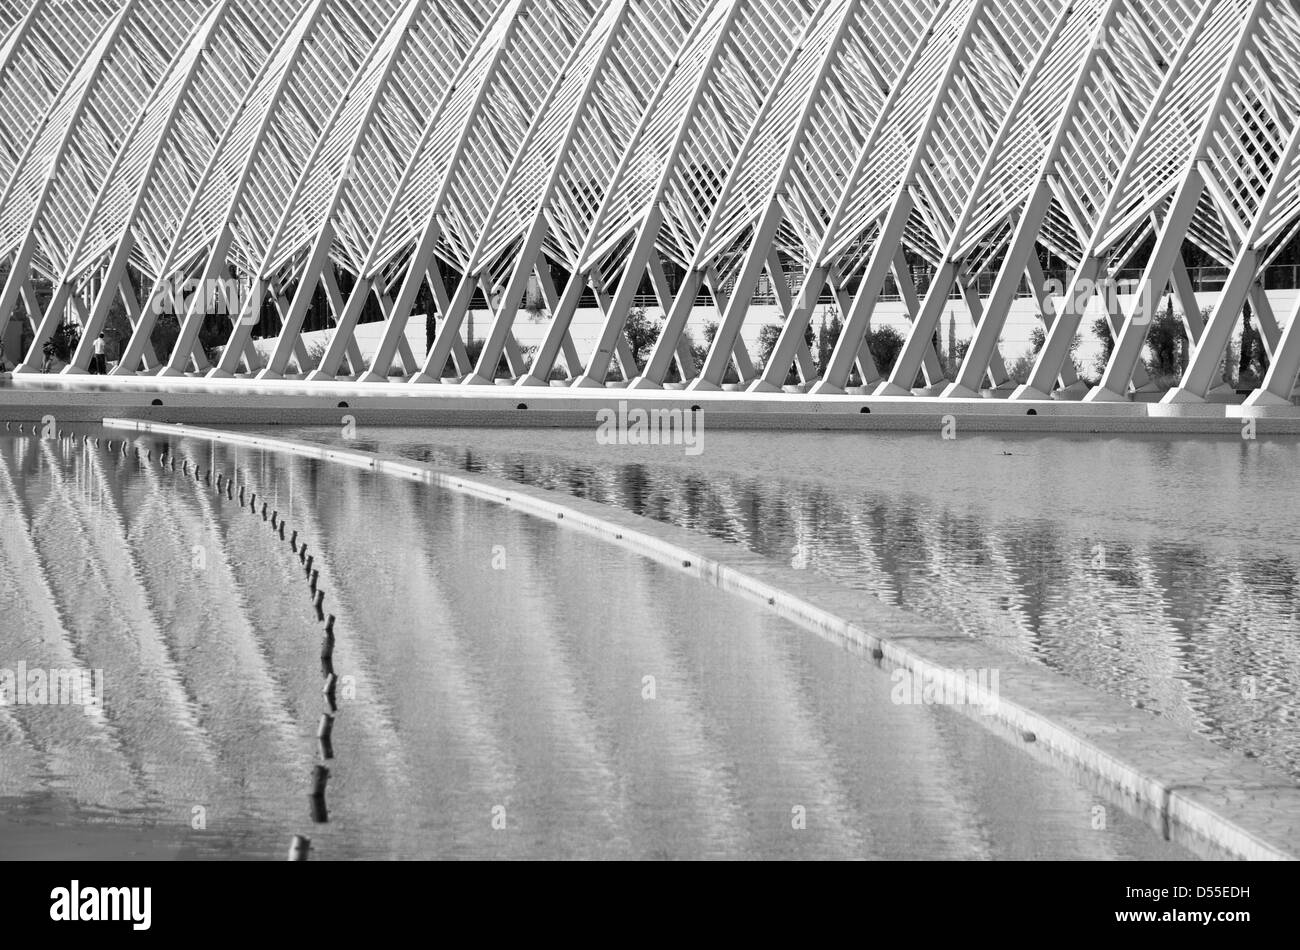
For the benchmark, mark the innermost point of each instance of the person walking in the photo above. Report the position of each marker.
(101, 364)
(48, 350)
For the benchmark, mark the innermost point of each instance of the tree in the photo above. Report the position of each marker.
(960, 348)
(1262, 361)
(1253, 359)
(824, 343)
(827, 339)
(1246, 353)
(1165, 337)
(700, 351)
(1037, 340)
(641, 334)
(953, 362)
(63, 342)
(768, 335)
(166, 330)
(1101, 329)
(673, 376)
(885, 344)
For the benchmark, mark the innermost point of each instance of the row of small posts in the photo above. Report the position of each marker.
(300, 846)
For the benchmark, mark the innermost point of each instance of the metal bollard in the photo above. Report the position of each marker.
(330, 689)
(319, 776)
(324, 736)
(299, 848)
(327, 650)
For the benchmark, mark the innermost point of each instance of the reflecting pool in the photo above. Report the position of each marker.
(505, 687)
(1162, 570)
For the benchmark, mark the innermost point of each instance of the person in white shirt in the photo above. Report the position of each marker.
(100, 365)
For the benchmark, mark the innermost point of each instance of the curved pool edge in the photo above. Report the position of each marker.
(1212, 801)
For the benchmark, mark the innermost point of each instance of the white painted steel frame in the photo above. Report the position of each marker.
(585, 149)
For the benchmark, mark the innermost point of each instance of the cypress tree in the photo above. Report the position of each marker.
(1247, 355)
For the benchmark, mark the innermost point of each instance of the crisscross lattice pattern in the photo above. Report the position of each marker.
(288, 142)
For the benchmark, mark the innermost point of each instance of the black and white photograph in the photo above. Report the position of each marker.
(573, 431)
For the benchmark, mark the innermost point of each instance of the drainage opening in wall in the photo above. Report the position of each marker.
(156, 402)
(343, 405)
(522, 405)
(1032, 412)
(865, 410)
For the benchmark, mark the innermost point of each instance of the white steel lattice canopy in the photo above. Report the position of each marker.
(347, 162)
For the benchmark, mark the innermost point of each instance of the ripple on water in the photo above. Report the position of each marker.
(494, 670)
(1163, 570)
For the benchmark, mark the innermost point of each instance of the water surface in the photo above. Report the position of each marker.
(1162, 570)
(508, 689)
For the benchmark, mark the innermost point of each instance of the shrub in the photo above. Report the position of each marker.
(1101, 329)
(1166, 340)
(63, 342)
(886, 343)
(768, 335)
